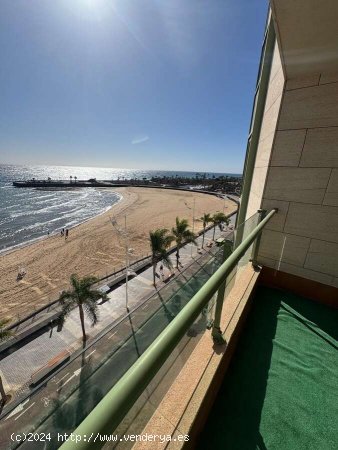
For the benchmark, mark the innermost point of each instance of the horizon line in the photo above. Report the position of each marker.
(118, 168)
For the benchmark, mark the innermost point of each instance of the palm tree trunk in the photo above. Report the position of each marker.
(154, 272)
(203, 236)
(2, 392)
(177, 256)
(213, 237)
(84, 337)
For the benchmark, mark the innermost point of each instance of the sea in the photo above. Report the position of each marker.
(29, 214)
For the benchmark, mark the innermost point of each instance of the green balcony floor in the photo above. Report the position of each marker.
(281, 389)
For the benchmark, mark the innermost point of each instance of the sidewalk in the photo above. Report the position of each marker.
(17, 367)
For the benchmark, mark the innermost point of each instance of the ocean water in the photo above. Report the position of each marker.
(29, 214)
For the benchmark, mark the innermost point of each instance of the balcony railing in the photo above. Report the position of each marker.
(116, 367)
(111, 410)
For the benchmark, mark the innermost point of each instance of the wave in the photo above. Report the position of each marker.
(24, 194)
(9, 207)
(81, 216)
(45, 196)
(60, 217)
(42, 210)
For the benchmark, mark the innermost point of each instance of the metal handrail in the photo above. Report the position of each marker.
(108, 414)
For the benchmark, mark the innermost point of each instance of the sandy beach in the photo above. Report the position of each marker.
(94, 247)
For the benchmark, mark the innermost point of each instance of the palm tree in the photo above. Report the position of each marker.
(160, 241)
(4, 334)
(206, 218)
(84, 297)
(70, 178)
(182, 235)
(75, 178)
(217, 219)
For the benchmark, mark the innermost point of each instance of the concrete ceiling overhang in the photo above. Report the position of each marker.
(307, 34)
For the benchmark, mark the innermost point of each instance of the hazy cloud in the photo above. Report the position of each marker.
(140, 139)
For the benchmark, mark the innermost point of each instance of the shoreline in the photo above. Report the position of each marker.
(33, 241)
(94, 247)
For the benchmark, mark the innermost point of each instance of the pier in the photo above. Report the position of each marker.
(80, 183)
(222, 184)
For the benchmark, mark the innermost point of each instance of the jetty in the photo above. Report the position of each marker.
(79, 183)
(223, 184)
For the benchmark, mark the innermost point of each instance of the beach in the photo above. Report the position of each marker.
(95, 247)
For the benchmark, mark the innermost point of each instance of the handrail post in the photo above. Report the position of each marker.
(255, 248)
(216, 332)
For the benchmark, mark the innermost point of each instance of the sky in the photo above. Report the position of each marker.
(143, 84)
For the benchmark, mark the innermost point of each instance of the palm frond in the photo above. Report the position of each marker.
(182, 233)
(74, 281)
(160, 240)
(67, 307)
(189, 237)
(167, 241)
(94, 295)
(87, 282)
(66, 296)
(206, 218)
(80, 294)
(166, 260)
(91, 310)
(219, 217)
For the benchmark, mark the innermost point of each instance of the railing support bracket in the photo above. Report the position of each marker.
(217, 336)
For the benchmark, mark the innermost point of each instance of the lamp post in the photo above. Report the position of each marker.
(193, 222)
(129, 251)
(225, 198)
(193, 218)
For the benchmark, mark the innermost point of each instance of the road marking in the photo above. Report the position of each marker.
(76, 373)
(24, 411)
(90, 354)
(45, 401)
(17, 409)
(112, 335)
(62, 378)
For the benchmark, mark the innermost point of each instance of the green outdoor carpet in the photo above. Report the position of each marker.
(281, 389)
